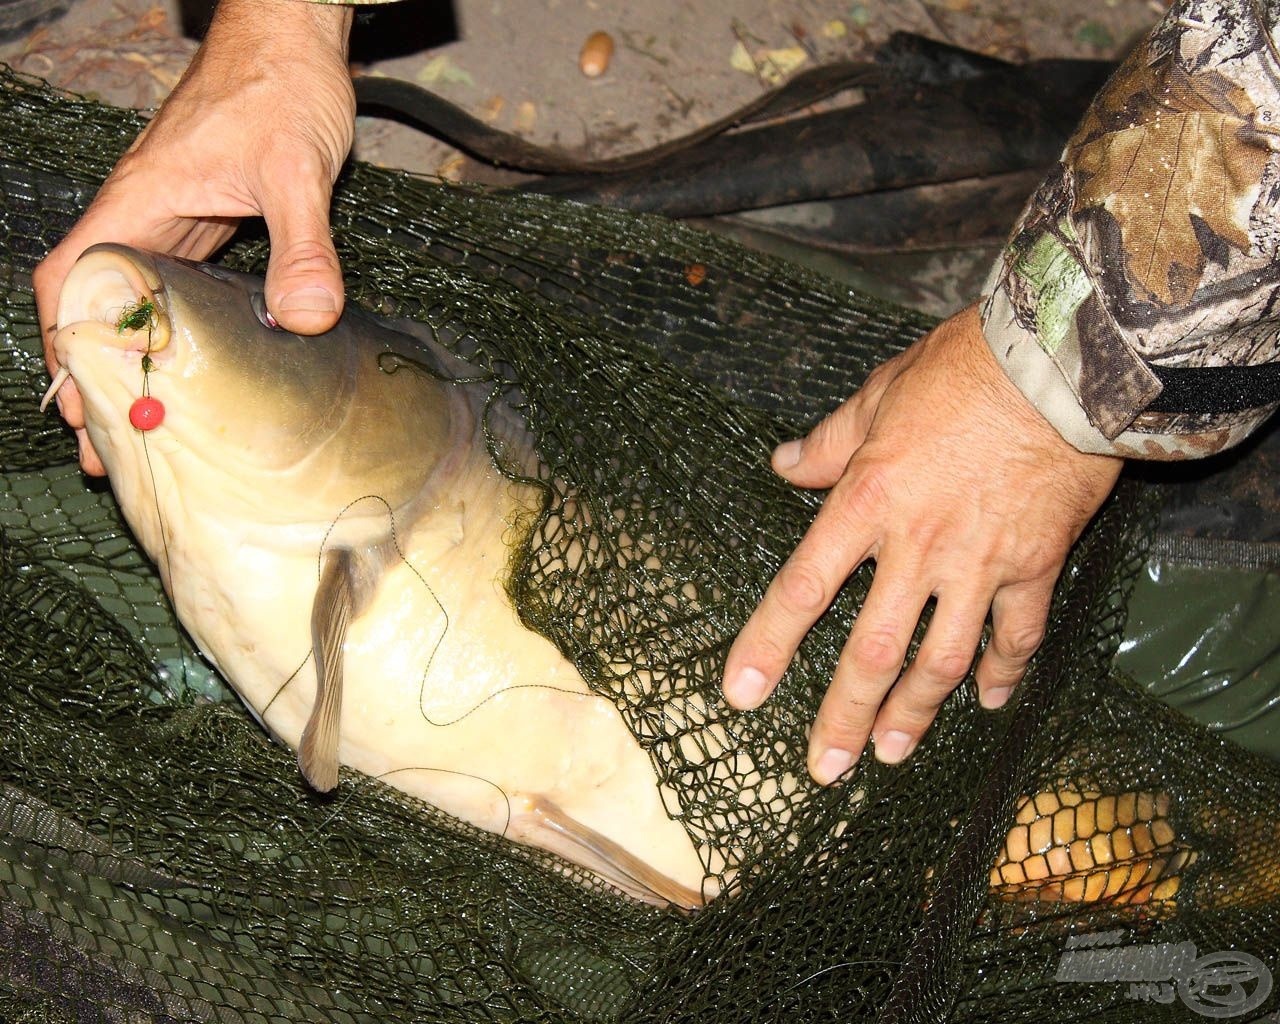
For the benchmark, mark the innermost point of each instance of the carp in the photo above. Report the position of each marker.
(332, 529)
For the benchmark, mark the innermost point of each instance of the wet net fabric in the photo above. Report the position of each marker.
(1085, 855)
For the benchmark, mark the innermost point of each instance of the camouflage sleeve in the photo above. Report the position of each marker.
(1153, 244)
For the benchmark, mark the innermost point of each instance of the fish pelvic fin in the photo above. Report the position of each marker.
(543, 823)
(331, 613)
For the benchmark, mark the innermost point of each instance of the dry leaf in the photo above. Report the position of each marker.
(770, 66)
(777, 64)
(451, 169)
(1191, 152)
(740, 59)
(442, 69)
(526, 117)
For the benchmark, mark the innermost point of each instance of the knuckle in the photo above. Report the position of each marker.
(915, 717)
(130, 163)
(801, 588)
(871, 489)
(297, 164)
(878, 652)
(303, 256)
(45, 274)
(946, 666)
(833, 431)
(881, 377)
(846, 719)
(1019, 642)
(767, 652)
(824, 433)
(1041, 558)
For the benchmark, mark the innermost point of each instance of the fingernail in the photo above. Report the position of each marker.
(831, 765)
(787, 454)
(997, 698)
(894, 746)
(309, 300)
(746, 688)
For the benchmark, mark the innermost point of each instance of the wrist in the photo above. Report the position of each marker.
(283, 26)
(1001, 392)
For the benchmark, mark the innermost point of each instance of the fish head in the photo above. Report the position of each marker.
(197, 338)
(259, 423)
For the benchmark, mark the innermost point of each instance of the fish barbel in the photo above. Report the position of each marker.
(334, 534)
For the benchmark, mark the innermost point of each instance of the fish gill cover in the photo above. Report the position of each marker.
(1084, 855)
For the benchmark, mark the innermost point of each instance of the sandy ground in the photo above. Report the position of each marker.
(676, 65)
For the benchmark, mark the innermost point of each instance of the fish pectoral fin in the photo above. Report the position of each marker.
(542, 823)
(331, 612)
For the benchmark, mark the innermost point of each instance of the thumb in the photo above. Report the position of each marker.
(304, 278)
(819, 459)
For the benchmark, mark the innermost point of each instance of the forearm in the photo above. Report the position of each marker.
(1153, 245)
(281, 63)
(283, 27)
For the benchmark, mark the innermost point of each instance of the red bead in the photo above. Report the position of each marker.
(146, 413)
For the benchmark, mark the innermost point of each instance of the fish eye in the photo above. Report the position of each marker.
(259, 305)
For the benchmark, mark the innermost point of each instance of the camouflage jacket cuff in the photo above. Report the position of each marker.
(1137, 304)
(1044, 361)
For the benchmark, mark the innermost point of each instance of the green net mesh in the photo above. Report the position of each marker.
(1084, 855)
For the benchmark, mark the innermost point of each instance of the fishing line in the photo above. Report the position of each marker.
(493, 440)
(279, 690)
(395, 543)
(506, 797)
(167, 568)
(391, 363)
(426, 671)
(363, 778)
(319, 570)
(833, 967)
(508, 689)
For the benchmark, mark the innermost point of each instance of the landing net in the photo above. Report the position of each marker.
(1086, 854)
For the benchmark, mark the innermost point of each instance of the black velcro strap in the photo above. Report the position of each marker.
(1216, 389)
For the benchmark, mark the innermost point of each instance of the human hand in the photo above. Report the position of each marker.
(259, 125)
(944, 474)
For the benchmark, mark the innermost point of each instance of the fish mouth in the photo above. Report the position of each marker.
(113, 297)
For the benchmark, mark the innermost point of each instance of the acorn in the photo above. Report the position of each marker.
(593, 61)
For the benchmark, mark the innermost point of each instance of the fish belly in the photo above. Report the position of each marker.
(451, 698)
(446, 695)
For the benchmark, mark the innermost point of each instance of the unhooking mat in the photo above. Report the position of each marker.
(160, 859)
